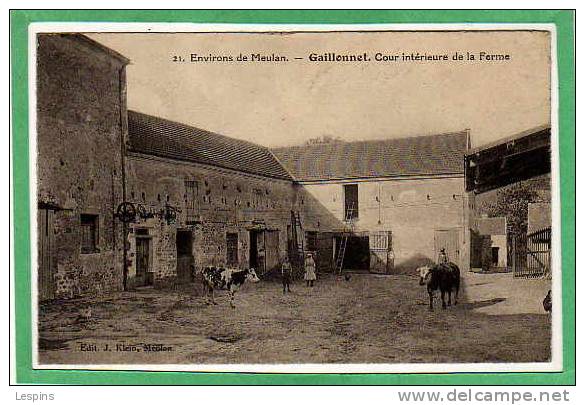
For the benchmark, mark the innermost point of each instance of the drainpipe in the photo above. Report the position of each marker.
(468, 198)
(123, 137)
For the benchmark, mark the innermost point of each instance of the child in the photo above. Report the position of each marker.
(443, 257)
(286, 275)
(310, 275)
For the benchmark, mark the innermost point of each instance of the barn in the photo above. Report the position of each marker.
(201, 199)
(385, 205)
(127, 200)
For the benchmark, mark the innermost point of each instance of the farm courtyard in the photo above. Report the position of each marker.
(368, 319)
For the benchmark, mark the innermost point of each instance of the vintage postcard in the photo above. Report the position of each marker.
(295, 199)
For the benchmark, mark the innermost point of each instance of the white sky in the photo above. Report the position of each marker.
(276, 104)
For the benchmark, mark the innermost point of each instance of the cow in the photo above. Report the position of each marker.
(444, 277)
(225, 278)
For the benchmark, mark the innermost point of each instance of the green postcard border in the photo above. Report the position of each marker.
(19, 22)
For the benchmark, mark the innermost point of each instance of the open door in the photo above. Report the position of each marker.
(256, 243)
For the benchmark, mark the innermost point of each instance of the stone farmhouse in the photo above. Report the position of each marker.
(126, 200)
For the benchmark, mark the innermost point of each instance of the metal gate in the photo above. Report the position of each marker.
(531, 254)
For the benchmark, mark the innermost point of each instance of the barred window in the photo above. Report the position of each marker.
(89, 233)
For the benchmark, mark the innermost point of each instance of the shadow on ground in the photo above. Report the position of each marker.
(368, 319)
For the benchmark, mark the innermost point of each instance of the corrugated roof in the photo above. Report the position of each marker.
(421, 155)
(160, 137)
(491, 226)
(500, 142)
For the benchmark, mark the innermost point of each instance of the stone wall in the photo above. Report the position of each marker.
(80, 110)
(224, 201)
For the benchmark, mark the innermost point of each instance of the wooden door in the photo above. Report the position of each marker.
(261, 252)
(184, 255)
(271, 239)
(253, 252)
(46, 257)
(143, 274)
(325, 252)
(447, 239)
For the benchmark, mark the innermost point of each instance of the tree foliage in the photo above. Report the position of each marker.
(512, 202)
(323, 140)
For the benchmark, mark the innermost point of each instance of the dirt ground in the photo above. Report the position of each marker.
(369, 319)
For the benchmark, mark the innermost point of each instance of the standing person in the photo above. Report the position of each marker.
(310, 275)
(286, 271)
(443, 257)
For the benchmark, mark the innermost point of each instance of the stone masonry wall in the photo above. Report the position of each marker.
(225, 202)
(80, 96)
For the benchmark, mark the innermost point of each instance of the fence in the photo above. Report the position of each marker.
(531, 254)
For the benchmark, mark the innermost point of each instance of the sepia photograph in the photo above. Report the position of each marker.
(348, 199)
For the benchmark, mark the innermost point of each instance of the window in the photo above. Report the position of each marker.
(232, 249)
(351, 208)
(89, 233)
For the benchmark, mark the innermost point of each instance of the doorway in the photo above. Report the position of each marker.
(185, 259)
(447, 239)
(357, 252)
(144, 275)
(495, 256)
(264, 250)
(254, 263)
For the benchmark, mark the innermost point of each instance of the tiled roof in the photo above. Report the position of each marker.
(422, 155)
(164, 138)
(491, 226)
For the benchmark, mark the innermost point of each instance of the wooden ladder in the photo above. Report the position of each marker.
(297, 236)
(348, 230)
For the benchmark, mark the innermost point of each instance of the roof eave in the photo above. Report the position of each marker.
(193, 161)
